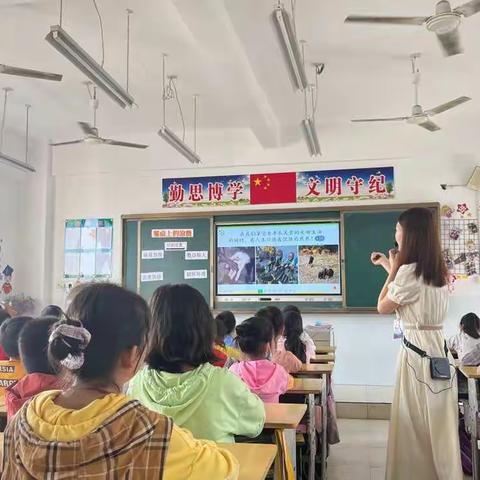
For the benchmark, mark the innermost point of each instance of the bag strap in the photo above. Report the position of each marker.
(420, 352)
(413, 347)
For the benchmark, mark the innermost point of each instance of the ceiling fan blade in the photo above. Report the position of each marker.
(87, 129)
(118, 143)
(469, 8)
(447, 106)
(386, 20)
(71, 142)
(429, 125)
(391, 119)
(450, 43)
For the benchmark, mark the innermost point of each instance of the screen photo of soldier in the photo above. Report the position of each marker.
(277, 265)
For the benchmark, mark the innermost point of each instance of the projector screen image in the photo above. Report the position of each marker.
(278, 259)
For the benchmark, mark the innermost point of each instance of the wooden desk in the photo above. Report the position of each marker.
(309, 387)
(325, 349)
(254, 459)
(469, 372)
(306, 386)
(314, 370)
(317, 370)
(323, 358)
(283, 415)
(471, 414)
(284, 418)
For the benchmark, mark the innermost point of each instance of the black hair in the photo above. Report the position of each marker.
(9, 333)
(221, 331)
(471, 325)
(53, 311)
(4, 315)
(290, 308)
(253, 335)
(33, 345)
(293, 330)
(274, 315)
(228, 319)
(117, 320)
(183, 330)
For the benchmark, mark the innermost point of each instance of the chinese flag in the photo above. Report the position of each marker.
(273, 188)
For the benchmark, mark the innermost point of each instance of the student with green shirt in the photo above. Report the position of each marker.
(179, 381)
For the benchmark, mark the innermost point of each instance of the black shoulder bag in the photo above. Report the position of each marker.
(439, 366)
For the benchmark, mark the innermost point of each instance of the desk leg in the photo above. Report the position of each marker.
(326, 383)
(473, 407)
(291, 442)
(311, 436)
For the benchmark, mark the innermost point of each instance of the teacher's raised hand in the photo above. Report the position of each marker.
(379, 259)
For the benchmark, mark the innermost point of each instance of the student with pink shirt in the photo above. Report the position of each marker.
(266, 379)
(278, 353)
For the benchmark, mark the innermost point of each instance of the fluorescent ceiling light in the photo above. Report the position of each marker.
(289, 44)
(178, 144)
(27, 72)
(308, 127)
(16, 163)
(73, 52)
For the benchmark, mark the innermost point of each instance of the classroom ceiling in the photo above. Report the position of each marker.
(226, 52)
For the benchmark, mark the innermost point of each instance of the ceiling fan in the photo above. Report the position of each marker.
(91, 133)
(419, 116)
(444, 23)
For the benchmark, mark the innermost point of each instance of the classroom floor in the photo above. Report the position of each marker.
(361, 454)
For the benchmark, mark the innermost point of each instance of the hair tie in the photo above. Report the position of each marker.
(79, 333)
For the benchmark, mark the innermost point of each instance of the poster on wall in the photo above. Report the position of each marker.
(375, 183)
(88, 248)
(460, 236)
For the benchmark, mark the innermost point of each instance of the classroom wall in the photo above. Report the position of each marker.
(24, 219)
(103, 181)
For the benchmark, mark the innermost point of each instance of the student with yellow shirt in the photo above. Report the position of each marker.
(92, 429)
(11, 370)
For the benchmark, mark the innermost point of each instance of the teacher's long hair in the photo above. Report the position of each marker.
(421, 245)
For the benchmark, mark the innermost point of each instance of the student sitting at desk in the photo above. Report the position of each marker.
(468, 337)
(293, 336)
(296, 334)
(33, 345)
(179, 380)
(264, 378)
(232, 354)
(278, 355)
(229, 322)
(11, 370)
(92, 430)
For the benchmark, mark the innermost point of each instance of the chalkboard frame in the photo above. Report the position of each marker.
(250, 214)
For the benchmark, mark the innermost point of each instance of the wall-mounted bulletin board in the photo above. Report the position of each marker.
(88, 249)
(241, 261)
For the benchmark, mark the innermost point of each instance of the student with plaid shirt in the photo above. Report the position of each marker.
(92, 430)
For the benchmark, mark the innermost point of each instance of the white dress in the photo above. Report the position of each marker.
(423, 442)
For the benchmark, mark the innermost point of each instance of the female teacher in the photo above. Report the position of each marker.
(423, 439)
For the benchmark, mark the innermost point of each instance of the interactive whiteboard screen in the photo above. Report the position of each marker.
(278, 259)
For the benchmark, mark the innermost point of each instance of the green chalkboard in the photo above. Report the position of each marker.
(159, 261)
(365, 232)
